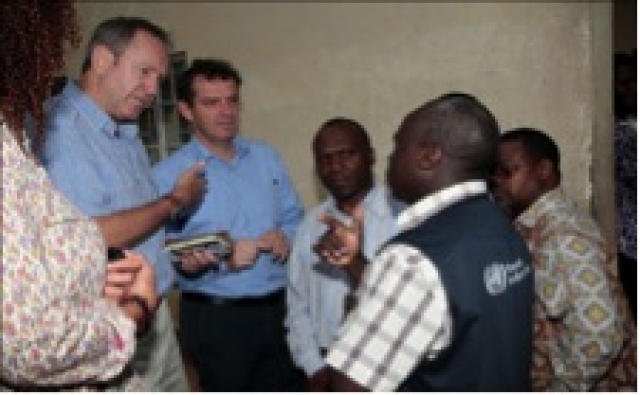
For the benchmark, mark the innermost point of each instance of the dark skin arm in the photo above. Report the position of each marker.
(341, 245)
(320, 381)
(355, 269)
(342, 383)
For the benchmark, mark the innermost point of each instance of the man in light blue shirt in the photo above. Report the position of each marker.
(232, 313)
(317, 291)
(94, 156)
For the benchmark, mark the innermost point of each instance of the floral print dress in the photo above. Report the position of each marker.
(57, 329)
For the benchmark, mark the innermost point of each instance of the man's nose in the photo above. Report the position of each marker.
(151, 85)
(335, 164)
(228, 108)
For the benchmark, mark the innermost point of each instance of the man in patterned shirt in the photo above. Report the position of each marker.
(581, 322)
(446, 305)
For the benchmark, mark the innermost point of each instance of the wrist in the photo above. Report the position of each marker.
(145, 312)
(355, 268)
(177, 206)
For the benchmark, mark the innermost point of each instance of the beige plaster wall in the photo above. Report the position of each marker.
(532, 64)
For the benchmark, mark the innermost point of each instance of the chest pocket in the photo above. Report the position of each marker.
(270, 191)
(128, 187)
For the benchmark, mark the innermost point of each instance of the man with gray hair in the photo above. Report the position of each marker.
(94, 155)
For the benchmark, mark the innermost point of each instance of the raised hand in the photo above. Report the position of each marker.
(191, 185)
(341, 243)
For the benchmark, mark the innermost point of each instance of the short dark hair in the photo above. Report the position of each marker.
(210, 69)
(465, 129)
(117, 33)
(345, 123)
(536, 144)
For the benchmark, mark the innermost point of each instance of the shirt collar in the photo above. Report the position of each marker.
(200, 152)
(96, 116)
(545, 203)
(372, 198)
(369, 202)
(417, 213)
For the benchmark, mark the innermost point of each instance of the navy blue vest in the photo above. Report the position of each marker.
(486, 270)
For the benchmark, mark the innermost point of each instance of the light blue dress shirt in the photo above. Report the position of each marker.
(102, 167)
(247, 196)
(316, 290)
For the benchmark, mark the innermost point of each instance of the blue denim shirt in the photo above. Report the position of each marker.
(102, 167)
(247, 196)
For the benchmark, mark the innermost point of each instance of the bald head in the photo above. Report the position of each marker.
(465, 130)
(448, 140)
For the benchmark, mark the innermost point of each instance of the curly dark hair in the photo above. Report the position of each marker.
(34, 34)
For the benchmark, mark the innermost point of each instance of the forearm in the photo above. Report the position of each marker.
(139, 310)
(579, 370)
(342, 383)
(580, 379)
(355, 269)
(76, 341)
(423, 299)
(127, 228)
(589, 332)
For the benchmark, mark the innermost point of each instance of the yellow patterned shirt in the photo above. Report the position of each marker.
(57, 329)
(579, 325)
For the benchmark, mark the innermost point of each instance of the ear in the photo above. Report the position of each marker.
(101, 58)
(185, 111)
(429, 155)
(545, 169)
(372, 156)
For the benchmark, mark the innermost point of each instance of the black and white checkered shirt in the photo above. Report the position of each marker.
(402, 315)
